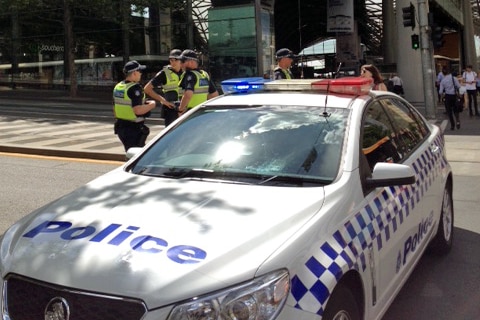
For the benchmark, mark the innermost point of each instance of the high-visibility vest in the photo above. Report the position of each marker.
(122, 104)
(172, 82)
(200, 90)
(287, 73)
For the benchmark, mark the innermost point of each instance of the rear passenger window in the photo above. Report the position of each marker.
(411, 131)
(391, 131)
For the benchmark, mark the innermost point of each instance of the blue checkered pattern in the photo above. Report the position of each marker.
(374, 224)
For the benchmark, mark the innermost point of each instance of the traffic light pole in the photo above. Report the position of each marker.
(427, 60)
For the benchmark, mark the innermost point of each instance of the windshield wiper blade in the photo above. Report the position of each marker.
(186, 173)
(236, 176)
(288, 179)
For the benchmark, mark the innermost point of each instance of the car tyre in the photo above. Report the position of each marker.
(443, 240)
(342, 305)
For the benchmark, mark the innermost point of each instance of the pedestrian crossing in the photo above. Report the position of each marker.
(59, 137)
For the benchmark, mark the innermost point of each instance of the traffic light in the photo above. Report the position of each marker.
(415, 41)
(437, 36)
(409, 16)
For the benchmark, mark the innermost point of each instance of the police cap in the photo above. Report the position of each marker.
(188, 55)
(284, 53)
(175, 54)
(133, 65)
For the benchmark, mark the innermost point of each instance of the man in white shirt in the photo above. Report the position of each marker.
(440, 76)
(397, 84)
(470, 80)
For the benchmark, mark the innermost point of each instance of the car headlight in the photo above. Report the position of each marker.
(259, 299)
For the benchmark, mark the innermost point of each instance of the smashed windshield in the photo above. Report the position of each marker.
(266, 142)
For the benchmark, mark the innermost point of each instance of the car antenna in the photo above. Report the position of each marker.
(325, 113)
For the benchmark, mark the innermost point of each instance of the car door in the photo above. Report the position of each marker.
(392, 133)
(421, 152)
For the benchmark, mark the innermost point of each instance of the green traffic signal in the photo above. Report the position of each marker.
(415, 41)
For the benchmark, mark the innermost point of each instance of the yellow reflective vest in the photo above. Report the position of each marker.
(122, 104)
(200, 92)
(173, 80)
(286, 73)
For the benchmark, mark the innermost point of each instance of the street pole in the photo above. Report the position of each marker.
(427, 61)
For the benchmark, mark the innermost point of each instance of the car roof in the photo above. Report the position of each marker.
(284, 98)
(339, 93)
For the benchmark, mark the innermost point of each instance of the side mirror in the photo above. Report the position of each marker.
(390, 174)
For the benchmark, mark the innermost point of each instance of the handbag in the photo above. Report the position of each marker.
(459, 103)
(459, 99)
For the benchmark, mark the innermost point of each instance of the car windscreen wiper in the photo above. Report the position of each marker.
(250, 177)
(179, 173)
(295, 180)
(188, 173)
(233, 176)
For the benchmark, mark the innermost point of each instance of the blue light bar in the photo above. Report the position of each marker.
(243, 85)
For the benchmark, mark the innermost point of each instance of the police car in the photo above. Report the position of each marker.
(288, 199)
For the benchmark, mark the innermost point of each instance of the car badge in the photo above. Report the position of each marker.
(57, 309)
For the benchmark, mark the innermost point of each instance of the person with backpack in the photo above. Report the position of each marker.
(470, 79)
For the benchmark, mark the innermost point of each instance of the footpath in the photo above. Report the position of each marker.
(92, 137)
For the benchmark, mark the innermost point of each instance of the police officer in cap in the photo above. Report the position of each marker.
(196, 84)
(167, 80)
(285, 59)
(130, 107)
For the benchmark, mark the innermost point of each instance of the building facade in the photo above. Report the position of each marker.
(233, 38)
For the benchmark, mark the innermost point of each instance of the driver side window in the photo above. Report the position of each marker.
(379, 141)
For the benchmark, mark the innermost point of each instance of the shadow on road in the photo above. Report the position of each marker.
(443, 288)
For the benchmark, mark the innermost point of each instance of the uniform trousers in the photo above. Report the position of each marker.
(131, 134)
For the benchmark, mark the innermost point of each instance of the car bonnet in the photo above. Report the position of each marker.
(160, 240)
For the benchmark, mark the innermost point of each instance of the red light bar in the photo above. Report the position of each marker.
(347, 85)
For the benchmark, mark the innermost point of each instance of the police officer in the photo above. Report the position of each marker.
(167, 80)
(130, 107)
(196, 84)
(284, 59)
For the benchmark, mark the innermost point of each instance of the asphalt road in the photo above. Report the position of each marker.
(29, 182)
(65, 110)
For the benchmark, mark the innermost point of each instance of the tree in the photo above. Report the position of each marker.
(50, 21)
(69, 55)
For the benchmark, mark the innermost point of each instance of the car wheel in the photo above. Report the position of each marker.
(442, 243)
(342, 305)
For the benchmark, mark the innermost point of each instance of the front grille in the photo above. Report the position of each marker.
(27, 299)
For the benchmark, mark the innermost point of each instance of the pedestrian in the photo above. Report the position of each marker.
(195, 83)
(440, 76)
(167, 81)
(284, 59)
(397, 84)
(370, 71)
(462, 91)
(390, 83)
(478, 83)
(130, 107)
(470, 79)
(448, 88)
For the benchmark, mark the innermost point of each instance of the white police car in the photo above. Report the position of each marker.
(290, 199)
